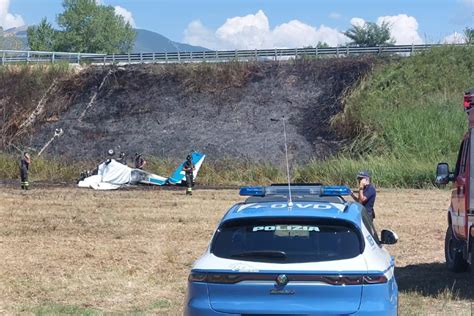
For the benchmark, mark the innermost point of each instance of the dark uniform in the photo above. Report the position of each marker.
(24, 166)
(188, 168)
(139, 162)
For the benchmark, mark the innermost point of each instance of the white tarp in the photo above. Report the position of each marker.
(110, 176)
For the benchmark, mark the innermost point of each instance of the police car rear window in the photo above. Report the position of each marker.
(287, 241)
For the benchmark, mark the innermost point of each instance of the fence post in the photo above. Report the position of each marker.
(412, 48)
(3, 58)
(166, 57)
(153, 57)
(191, 55)
(129, 60)
(276, 55)
(78, 58)
(204, 56)
(28, 57)
(235, 56)
(317, 52)
(113, 58)
(337, 51)
(179, 57)
(53, 57)
(296, 52)
(217, 55)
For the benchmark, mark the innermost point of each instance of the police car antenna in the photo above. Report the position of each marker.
(290, 200)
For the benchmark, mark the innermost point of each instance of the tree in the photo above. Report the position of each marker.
(469, 35)
(84, 27)
(322, 45)
(370, 34)
(42, 37)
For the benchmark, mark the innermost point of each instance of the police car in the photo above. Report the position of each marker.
(298, 251)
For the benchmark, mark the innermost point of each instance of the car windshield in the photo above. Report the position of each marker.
(286, 240)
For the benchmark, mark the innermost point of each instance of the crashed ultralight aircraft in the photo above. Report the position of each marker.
(112, 175)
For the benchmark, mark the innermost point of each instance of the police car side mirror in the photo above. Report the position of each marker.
(387, 237)
(443, 176)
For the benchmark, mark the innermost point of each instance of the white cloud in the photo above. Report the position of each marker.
(197, 34)
(358, 22)
(454, 38)
(298, 34)
(253, 32)
(9, 20)
(127, 15)
(335, 15)
(403, 28)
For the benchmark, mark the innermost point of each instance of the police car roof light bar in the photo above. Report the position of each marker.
(336, 190)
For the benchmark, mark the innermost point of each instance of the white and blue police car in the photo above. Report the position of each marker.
(298, 251)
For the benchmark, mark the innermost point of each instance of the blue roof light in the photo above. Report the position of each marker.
(252, 191)
(335, 190)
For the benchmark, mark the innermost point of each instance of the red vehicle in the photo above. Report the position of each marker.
(459, 241)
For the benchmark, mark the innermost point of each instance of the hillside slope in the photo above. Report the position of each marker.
(223, 110)
(148, 41)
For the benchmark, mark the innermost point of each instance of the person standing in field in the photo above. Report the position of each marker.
(24, 167)
(367, 192)
(139, 162)
(188, 168)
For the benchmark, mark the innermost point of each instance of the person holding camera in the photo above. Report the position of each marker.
(367, 192)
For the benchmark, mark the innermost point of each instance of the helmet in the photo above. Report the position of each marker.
(188, 157)
(122, 154)
(110, 152)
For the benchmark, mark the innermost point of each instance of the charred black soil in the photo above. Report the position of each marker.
(223, 110)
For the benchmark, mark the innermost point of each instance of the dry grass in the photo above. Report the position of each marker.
(71, 251)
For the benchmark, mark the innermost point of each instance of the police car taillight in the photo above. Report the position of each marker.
(374, 279)
(222, 278)
(197, 277)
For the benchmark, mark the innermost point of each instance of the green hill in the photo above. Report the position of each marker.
(404, 117)
(148, 41)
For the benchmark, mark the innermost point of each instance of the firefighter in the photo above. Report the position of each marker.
(367, 193)
(188, 168)
(139, 162)
(24, 166)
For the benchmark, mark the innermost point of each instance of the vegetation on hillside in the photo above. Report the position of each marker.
(404, 118)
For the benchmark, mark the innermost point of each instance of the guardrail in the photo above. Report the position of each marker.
(11, 56)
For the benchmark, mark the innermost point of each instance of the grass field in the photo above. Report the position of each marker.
(71, 251)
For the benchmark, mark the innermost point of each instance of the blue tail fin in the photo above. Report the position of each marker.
(179, 175)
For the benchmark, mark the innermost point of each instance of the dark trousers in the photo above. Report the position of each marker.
(24, 178)
(189, 182)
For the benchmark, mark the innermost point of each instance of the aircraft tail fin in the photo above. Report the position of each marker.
(178, 175)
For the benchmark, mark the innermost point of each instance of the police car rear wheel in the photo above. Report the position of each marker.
(454, 258)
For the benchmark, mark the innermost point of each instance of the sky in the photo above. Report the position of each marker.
(255, 24)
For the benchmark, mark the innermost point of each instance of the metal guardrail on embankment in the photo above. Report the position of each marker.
(10, 56)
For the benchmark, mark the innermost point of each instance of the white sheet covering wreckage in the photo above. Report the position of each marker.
(113, 175)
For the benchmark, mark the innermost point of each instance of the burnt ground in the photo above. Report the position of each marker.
(223, 110)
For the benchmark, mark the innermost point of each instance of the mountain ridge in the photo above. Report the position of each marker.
(145, 42)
